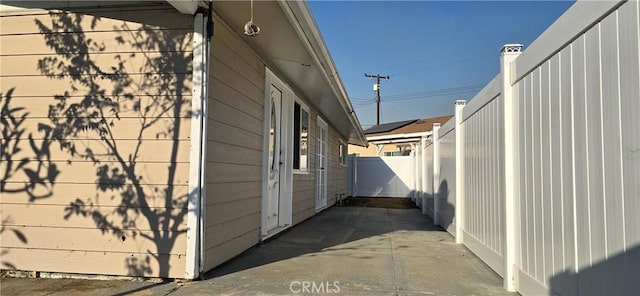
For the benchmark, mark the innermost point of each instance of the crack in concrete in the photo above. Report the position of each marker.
(393, 257)
(176, 288)
(59, 289)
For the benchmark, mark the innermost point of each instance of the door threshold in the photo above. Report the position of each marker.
(274, 231)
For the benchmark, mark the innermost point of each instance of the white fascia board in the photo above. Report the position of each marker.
(185, 6)
(403, 141)
(399, 136)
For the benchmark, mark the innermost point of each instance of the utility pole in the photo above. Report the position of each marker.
(376, 88)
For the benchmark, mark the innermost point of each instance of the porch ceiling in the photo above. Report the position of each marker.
(290, 43)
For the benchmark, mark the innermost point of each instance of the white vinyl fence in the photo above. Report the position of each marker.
(426, 197)
(539, 174)
(578, 104)
(391, 176)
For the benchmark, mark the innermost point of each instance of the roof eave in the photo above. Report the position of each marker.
(304, 21)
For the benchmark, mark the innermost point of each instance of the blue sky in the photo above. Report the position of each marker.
(435, 51)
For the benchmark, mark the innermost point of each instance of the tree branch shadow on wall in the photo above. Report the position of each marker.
(22, 155)
(122, 97)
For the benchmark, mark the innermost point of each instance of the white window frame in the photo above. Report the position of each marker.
(304, 107)
(390, 153)
(342, 159)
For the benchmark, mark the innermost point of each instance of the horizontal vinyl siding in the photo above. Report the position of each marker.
(84, 223)
(337, 173)
(304, 185)
(100, 262)
(234, 152)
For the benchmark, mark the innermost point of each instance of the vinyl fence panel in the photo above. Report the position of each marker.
(391, 176)
(484, 229)
(446, 189)
(578, 114)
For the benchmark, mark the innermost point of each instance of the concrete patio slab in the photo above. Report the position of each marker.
(366, 251)
(343, 251)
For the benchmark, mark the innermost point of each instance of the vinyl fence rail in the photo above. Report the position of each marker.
(539, 173)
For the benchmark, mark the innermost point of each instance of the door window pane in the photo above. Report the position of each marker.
(272, 137)
(300, 137)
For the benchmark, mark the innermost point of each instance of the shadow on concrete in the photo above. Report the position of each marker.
(380, 202)
(335, 229)
(144, 288)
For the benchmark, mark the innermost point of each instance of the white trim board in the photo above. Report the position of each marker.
(197, 157)
(286, 189)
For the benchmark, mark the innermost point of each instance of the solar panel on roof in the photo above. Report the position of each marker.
(387, 127)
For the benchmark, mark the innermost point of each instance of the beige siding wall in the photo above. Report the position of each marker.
(336, 174)
(95, 181)
(304, 184)
(234, 153)
(234, 156)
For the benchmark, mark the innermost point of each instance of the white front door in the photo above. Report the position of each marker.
(321, 166)
(275, 162)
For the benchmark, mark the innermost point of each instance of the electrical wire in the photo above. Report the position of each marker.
(422, 94)
(433, 93)
(393, 68)
(440, 65)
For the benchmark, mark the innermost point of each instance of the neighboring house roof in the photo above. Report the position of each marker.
(388, 127)
(406, 127)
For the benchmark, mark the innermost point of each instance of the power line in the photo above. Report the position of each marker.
(422, 94)
(437, 92)
(414, 61)
(434, 90)
(439, 65)
(434, 95)
(357, 100)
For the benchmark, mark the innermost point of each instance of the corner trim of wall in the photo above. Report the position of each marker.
(198, 148)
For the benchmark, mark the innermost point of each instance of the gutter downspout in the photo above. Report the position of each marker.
(203, 29)
(205, 108)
